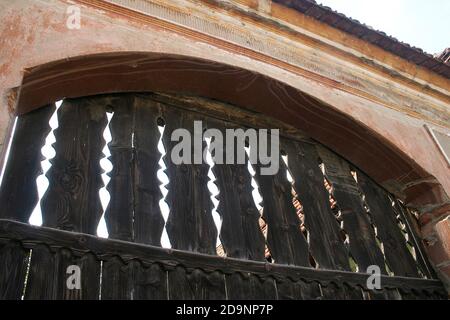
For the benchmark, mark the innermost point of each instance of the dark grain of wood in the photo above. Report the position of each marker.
(196, 285)
(190, 225)
(398, 257)
(363, 244)
(413, 233)
(13, 269)
(240, 234)
(72, 199)
(18, 191)
(42, 279)
(284, 237)
(90, 276)
(153, 284)
(298, 290)
(148, 220)
(104, 249)
(115, 280)
(325, 241)
(247, 286)
(119, 213)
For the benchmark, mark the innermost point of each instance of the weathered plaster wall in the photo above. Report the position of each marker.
(34, 33)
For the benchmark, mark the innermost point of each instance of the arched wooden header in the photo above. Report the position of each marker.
(141, 72)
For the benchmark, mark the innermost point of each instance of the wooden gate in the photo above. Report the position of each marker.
(314, 238)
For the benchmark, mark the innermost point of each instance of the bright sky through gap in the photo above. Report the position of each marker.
(423, 24)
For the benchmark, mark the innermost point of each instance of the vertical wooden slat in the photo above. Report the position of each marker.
(196, 285)
(119, 213)
(240, 234)
(63, 259)
(114, 280)
(363, 244)
(42, 277)
(249, 287)
(72, 200)
(13, 268)
(284, 237)
(325, 241)
(148, 220)
(134, 273)
(89, 276)
(18, 191)
(398, 257)
(190, 225)
(153, 283)
(413, 231)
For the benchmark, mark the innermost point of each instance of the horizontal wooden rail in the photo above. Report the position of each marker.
(31, 237)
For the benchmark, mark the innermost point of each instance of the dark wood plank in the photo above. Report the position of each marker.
(398, 257)
(297, 290)
(72, 200)
(413, 232)
(132, 280)
(240, 234)
(90, 277)
(246, 286)
(284, 237)
(148, 220)
(333, 291)
(64, 259)
(363, 244)
(115, 280)
(190, 225)
(18, 191)
(119, 213)
(42, 279)
(325, 240)
(105, 249)
(384, 294)
(195, 285)
(13, 269)
(153, 283)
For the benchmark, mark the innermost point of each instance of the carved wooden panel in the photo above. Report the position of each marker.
(325, 240)
(398, 257)
(18, 191)
(363, 244)
(284, 238)
(240, 234)
(119, 213)
(148, 220)
(190, 225)
(72, 200)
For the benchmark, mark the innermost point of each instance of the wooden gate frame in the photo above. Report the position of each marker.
(167, 73)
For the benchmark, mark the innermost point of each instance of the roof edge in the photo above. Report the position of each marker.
(355, 28)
